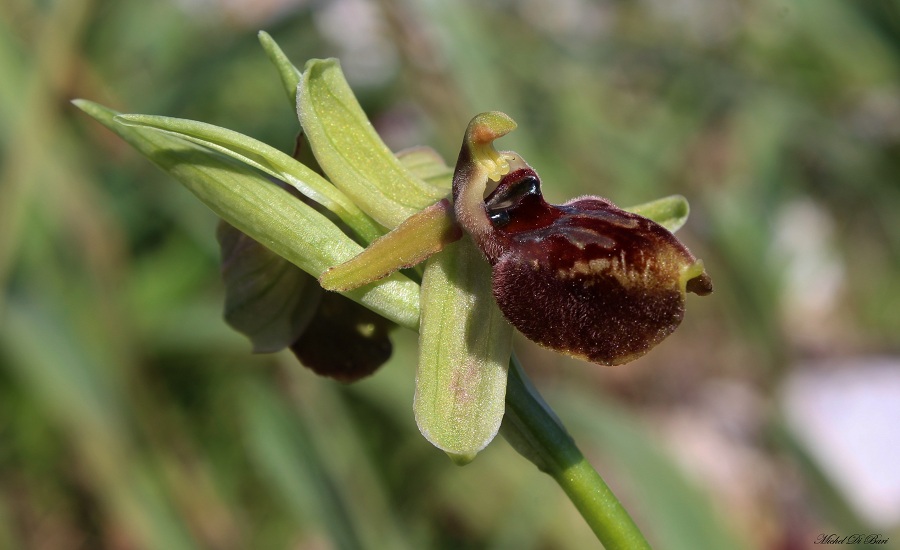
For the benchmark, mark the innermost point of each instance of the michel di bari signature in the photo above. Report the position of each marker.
(851, 539)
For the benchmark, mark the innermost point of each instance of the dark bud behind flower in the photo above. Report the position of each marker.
(345, 341)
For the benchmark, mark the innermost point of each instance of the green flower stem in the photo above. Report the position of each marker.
(536, 433)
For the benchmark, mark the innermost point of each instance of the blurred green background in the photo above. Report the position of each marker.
(131, 417)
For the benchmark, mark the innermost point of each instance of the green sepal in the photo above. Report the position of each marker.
(670, 212)
(350, 151)
(265, 158)
(464, 350)
(270, 215)
(278, 305)
(267, 298)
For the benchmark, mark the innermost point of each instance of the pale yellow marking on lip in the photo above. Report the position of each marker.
(647, 277)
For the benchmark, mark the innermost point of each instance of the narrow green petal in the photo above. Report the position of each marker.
(350, 151)
(464, 350)
(262, 157)
(413, 241)
(265, 212)
(290, 75)
(670, 212)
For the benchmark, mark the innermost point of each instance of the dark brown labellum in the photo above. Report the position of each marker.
(586, 278)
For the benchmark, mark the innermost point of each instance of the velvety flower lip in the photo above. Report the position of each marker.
(584, 278)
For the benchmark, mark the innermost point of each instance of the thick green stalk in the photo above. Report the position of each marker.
(536, 433)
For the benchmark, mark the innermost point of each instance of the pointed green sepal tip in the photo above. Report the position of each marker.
(290, 75)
